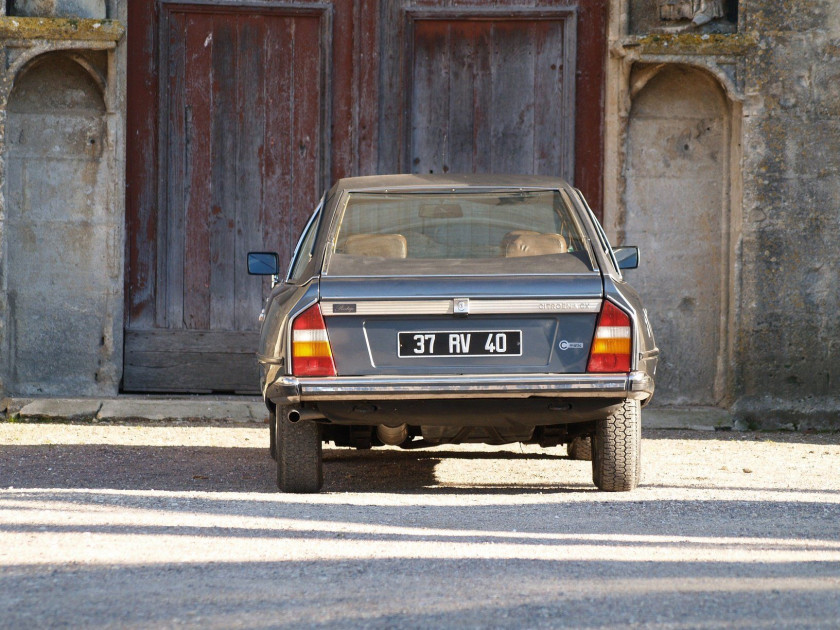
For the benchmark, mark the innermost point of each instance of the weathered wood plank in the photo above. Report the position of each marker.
(224, 169)
(191, 361)
(462, 99)
(591, 46)
(367, 91)
(482, 140)
(199, 43)
(280, 108)
(306, 143)
(191, 372)
(201, 341)
(550, 136)
(344, 105)
(392, 110)
(430, 97)
(171, 235)
(250, 128)
(514, 99)
(141, 163)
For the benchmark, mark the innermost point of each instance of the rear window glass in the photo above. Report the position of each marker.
(481, 233)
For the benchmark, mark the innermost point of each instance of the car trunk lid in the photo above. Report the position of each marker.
(461, 325)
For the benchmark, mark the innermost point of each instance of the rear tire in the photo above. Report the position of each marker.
(299, 463)
(616, 449)
(580, 448)
(272, 431)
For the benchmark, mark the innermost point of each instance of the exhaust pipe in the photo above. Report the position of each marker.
(296, 415)
(392, 436)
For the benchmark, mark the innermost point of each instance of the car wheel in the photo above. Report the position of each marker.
(580, 448)
(272, 426)
(616, 449)
(298, 446)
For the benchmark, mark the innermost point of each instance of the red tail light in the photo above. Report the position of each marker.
(613, 343)
(311, 352)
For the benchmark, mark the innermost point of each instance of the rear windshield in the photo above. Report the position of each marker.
(468, 233)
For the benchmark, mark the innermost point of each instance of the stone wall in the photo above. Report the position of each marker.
(778, 352)
(788, 348)
(62, 204)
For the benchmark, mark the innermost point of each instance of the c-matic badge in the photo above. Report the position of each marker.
(568, 345)
(461, 306)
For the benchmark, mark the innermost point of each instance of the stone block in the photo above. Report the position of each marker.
(59, 258)
(679, 148)
(696, 418)
(60, 8)
(193, 409)
(61, 409)
(792, 16)
(38, 194)
(56, 137)
(780, 412)
(59, 346)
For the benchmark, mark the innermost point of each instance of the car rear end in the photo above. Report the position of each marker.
(459, 313)
(448, 295)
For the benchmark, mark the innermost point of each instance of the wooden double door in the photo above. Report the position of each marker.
(241, 114)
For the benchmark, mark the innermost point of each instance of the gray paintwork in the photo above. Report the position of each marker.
(364, 346)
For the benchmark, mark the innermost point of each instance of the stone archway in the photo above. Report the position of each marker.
(677, 200)
(62, 240)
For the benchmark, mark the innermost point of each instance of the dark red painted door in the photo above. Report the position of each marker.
(239, 166)
(239, 114)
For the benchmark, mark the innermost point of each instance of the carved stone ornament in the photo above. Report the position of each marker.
(697, 11)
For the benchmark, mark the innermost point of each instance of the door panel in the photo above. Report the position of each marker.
(493, 95)
(241, 167)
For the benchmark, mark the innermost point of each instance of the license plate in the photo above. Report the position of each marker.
(470, 343)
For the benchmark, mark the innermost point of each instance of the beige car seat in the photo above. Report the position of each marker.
(382, 245)
(526, 243)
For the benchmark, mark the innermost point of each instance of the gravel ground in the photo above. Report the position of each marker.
(127, 526)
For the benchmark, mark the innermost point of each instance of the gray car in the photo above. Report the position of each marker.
(428, 310)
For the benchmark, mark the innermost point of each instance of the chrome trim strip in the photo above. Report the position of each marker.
(391, 307)
(637, 385)
(476, 307)
(455, 275)
(369, 349)
(493, 307)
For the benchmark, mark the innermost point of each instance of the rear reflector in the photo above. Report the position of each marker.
(613, 342)
(311, 353)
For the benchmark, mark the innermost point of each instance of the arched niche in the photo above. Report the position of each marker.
(60, 238)
(677, 199)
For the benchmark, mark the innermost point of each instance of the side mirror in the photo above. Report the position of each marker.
(263, 264)
(627, 257)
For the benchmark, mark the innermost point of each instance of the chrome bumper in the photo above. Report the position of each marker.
(293, 390)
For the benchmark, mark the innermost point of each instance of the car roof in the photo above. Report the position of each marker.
(484, 181)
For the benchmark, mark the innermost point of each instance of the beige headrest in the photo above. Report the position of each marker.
(524, 243)
(383, 245)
